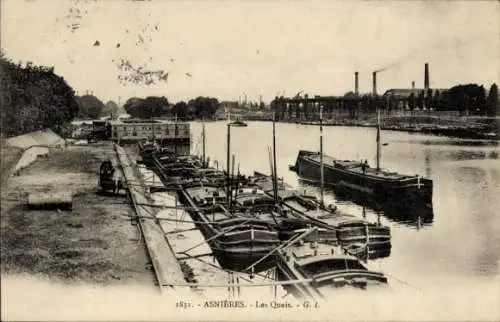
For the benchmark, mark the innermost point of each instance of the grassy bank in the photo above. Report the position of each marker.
(94, 242)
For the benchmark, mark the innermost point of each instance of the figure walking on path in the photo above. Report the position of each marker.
(364, 166)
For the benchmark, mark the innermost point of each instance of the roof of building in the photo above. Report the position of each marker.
(406, 92)
(143, 121)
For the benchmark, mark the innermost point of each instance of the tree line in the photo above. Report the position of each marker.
(34, 98)
(153, 106)
(469, 99)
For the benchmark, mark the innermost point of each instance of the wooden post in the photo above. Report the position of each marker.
(274, 162)
(378, 140)
(228, 162)
(176, 221)
(203, 133)
(322, 179)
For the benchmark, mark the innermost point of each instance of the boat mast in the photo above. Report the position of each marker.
(153, 128)
(228, 162)
(322, 179)
(274, 161)
(203, 136)
(175, 134)
(378, 140)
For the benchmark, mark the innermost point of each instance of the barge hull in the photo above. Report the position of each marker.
(407, 193)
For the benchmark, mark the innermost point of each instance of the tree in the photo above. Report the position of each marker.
(110, 109)
(154, 106)
(436, 101)
(420, 100)
(481, 100)
(492, 102)
(428, 99)
(203, 107)
(89, 106)
(34, 98)
(149, 107)
(180, 110)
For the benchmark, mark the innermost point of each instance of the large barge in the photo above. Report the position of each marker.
(389, 189)
(401, 190)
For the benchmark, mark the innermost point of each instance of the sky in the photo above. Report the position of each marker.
(229, 49)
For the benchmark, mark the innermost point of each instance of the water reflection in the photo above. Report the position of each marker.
(416, 216)
(479, 188)
(455, 241)
(449, 142)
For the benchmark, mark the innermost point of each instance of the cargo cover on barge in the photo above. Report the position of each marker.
(358, 177)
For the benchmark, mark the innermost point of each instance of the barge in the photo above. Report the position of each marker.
(358, 235)
(401, 190)
(236, 239)
(321, 268)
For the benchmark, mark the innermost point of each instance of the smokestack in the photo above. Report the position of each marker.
(426, 77)
(356, 83)
(413, 85)
(374, 91)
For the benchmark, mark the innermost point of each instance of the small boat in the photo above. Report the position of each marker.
(239, 123)
(320, 268)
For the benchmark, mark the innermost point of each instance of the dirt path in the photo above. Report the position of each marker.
(8, 159)
(94, 242)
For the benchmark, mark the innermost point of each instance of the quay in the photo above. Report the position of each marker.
(202, 274)
(202, 195)
(166, 267)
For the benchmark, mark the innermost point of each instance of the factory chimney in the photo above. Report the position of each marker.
(413, 85)
(374, 91)
(426, 77)
(356, 83)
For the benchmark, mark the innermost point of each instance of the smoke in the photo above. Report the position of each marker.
(432, 50)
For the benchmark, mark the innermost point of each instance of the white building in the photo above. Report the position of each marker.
(135, 130)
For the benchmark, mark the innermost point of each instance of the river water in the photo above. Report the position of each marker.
(446, 268)
(459, 246)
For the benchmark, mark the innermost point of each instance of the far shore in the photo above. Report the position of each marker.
(471, 127)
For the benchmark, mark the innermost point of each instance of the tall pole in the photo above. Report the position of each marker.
(203, 133)
(231, 186)
(274, 161)
(175, 134)
(153, 128)
(321, 155)
(228, 161)
(378, 140)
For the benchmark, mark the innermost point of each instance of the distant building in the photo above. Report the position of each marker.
(404, 93)
(229, 104)
(137, 130)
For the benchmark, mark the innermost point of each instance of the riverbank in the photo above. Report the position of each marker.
(94, 242)
(483, 128)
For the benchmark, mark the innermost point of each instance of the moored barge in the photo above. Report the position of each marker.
(236, 239)
(320, 268)
(355, 234)
(405, 191)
